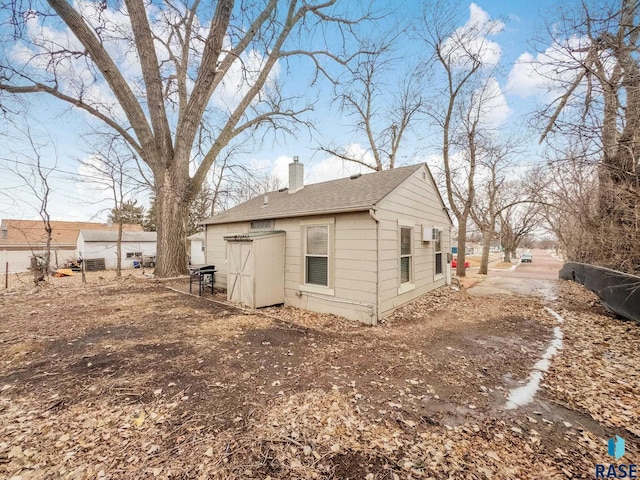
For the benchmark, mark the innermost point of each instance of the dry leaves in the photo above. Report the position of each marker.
(278, 423)
(600, 372)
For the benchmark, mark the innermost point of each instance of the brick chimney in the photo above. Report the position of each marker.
(296, 175)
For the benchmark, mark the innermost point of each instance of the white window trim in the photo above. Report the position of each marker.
(406, 287)
(438, 276)
(411, 285)
(311, 288)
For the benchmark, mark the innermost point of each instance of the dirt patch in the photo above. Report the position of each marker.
(127, 379)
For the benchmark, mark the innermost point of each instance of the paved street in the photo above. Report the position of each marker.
(537, 278)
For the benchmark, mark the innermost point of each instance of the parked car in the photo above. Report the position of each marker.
(454, 263)
(526, 257)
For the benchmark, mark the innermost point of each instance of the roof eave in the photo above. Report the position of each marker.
(310, 213)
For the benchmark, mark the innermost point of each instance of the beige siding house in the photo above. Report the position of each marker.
(358, 247)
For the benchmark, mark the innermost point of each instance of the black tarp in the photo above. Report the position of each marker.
(619, 292)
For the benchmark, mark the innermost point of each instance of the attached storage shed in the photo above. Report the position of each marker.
(358, 247)
(255, 272)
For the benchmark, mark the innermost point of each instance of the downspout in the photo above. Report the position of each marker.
(206, 245)
(372, 214)
(449, 279)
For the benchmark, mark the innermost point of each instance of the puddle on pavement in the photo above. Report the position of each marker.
(545, 289)
(522, 395)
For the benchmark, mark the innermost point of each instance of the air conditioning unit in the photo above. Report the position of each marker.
(430, 234)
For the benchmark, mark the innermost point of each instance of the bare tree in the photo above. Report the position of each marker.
(164, 78)
(383, 114)
(571, 208)
(597, 106)
(113, 168)
(490, 200)
(517, 221)
(241, 184)
(461, 109)
(496, 194)
(34, 170)
(229, 184)
(232, 182)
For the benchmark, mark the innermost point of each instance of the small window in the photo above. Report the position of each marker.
(134, 255)
(317, 255)
(438, 252)
(406, 256)
(262, 225)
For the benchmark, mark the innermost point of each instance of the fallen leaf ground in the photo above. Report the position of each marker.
(120, 379)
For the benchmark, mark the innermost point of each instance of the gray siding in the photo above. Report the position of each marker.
(352, 267)
(364, 255)
(417, 202)
(353, 264)
(216, 248)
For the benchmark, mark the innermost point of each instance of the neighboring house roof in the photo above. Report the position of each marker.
(30, 233)
(111, 236)
(197, 236)
(342, 195)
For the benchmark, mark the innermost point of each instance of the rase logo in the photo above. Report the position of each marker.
(623, 470)
(616, 447)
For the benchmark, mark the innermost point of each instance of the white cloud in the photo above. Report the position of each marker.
(493, 106)
(524, 80)
(472, 40)
(281, 169)
(548, 71)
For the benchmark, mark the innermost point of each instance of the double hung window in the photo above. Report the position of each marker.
(316, 258)
(406, 255)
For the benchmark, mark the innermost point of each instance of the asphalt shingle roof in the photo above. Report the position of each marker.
(111, 236)
(30, 233)
(343, 195)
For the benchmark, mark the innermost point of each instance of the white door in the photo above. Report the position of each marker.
(240, 278)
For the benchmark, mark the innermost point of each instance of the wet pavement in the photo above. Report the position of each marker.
(538, 278)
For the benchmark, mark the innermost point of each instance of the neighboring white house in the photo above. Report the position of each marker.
(196, 248)
(103, 244)
(20, 240)
(358, 247)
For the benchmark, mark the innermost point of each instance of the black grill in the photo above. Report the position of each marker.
(204, 277)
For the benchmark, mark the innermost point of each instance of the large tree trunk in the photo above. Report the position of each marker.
(172, 211)
(486, 246)
(462, 247)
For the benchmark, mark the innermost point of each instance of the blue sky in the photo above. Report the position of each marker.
(522, 21)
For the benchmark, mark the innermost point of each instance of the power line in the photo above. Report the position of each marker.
(77, 176)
